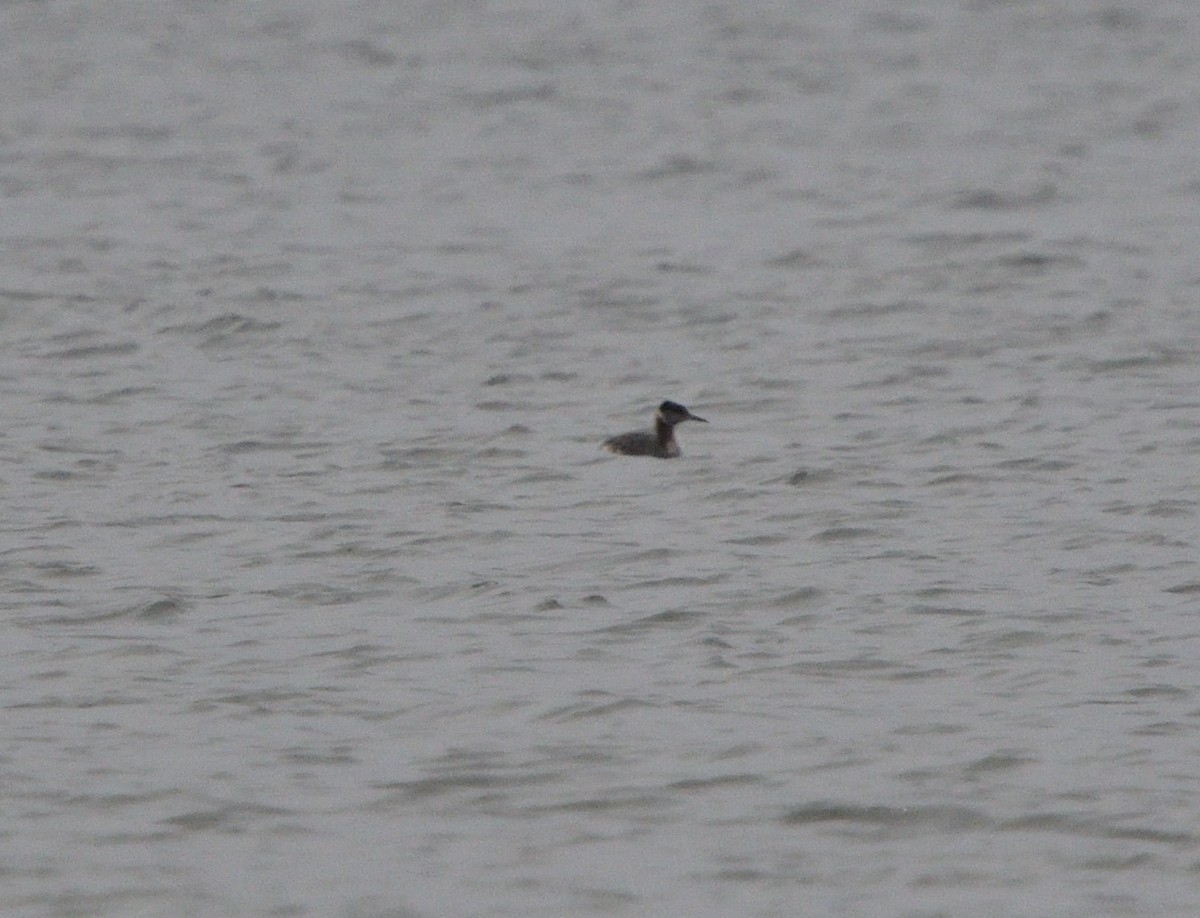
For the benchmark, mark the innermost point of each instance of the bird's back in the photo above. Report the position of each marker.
(637, 443)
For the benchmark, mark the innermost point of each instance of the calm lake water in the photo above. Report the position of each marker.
(320, 598)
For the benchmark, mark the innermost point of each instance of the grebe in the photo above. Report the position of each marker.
(659, 442)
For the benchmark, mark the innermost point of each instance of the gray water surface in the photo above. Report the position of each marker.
(320, 598)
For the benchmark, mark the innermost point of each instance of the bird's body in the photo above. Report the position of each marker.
(660, 442)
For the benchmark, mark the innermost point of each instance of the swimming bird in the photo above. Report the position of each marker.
(659, 442)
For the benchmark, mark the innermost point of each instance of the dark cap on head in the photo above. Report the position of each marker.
(673, 413)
